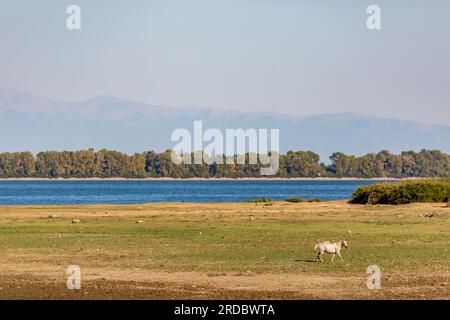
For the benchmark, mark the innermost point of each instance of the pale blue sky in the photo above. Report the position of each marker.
(295, 57)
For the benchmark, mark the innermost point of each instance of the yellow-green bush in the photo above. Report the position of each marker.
(264, 200)
(294, 200)
(408, 191)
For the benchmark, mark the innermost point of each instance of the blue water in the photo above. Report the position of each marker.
(127, 192)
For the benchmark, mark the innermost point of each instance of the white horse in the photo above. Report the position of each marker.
(328, 247)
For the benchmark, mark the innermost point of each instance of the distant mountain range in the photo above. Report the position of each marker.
(34, 123)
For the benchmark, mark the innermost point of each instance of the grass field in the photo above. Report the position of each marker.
(224, 250)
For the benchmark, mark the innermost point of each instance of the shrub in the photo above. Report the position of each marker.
(314, 200)
(261, 200)
(294, 200)
(403, 192)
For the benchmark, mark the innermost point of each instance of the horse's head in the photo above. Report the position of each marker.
(344, 244)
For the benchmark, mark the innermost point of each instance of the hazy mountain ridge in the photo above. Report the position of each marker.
(31, 122)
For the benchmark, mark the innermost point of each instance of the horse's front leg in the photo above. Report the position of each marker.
(339, 254)
(319, 257)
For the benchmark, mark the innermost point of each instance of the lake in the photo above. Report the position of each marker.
(129, 192)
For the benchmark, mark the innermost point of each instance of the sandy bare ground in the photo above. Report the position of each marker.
(38, 281)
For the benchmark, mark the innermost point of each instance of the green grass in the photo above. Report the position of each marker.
(235, 244)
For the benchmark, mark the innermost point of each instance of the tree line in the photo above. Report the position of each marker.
(293, 164)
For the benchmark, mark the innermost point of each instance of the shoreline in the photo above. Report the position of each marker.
(204, 179)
